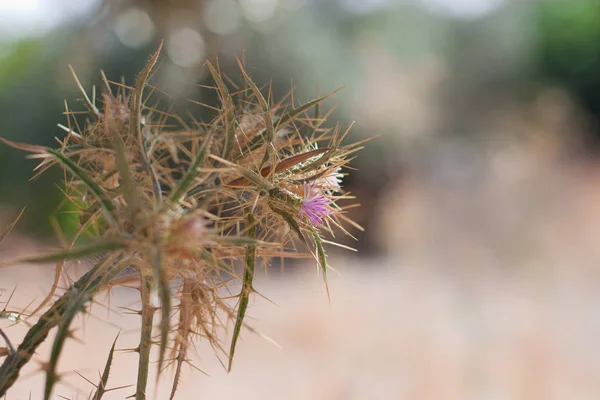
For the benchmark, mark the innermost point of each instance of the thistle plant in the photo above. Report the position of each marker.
(181, 210)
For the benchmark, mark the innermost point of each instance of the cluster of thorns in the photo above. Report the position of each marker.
(181, 209)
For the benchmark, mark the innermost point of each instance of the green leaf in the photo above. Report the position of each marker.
(183, 332)
(190, 175)
(290, 221)
(69, 254)
(89, 283)
(164, 293)
(75, 303)
(145, 339)
(239, 241)
(322, 259)
(65, 310)
(101, 388)
(246, 288)
(87, 181)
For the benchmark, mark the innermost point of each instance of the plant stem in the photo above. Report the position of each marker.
(91, 283)
(145, 339)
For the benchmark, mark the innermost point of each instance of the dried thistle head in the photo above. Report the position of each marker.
(182, 210)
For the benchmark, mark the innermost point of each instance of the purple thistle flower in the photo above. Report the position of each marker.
(315, 205)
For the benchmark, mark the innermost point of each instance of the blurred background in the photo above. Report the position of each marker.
(476, 277)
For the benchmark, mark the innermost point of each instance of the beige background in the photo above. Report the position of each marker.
(389, 333)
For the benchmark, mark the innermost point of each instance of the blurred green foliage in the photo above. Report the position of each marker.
(29, 107)
(568, 48)
(318, 44)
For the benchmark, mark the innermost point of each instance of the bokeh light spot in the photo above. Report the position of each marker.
(258, 10)
(134, 28)
(185, 47)
(222, 17)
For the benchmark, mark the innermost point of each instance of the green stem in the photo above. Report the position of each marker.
(246, 288)
(145, 339)
(91, 283)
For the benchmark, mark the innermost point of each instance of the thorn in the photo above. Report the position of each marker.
(71, 333)
(130, 350)
(44, 366)
(86, 379)
(131, 311)
(253, 290)
(53, 376)
(117, 388)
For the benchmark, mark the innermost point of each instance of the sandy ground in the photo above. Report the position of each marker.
(389, 333)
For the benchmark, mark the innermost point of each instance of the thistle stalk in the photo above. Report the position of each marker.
(183, 208)
(147, 314)
(90, 284)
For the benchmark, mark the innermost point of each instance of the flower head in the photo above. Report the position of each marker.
(190, 232)
(315, 205)
(330, 182)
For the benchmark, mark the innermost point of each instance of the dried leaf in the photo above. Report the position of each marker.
(282, 166)
(11, 226)
(31, 148)
(229, 111)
